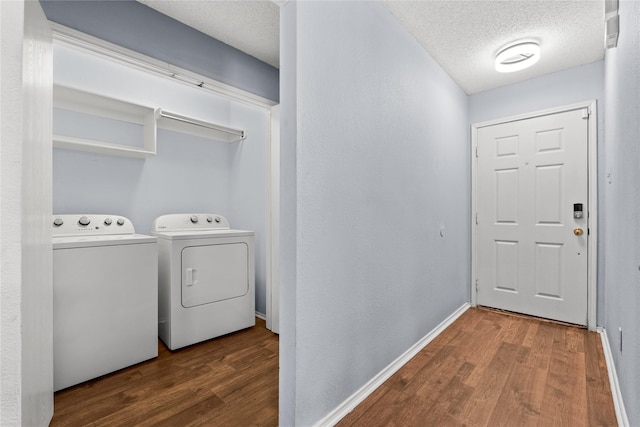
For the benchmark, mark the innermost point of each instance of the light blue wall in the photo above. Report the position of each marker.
(375, 164)
(188, 175)
(622, 205)
(137, 27)
(584, 83)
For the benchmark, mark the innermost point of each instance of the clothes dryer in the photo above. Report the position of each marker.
(105, 297)
(206, 278)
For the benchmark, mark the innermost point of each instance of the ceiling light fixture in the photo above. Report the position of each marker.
(517, 57)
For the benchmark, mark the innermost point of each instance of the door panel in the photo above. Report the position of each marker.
(506, 265)
(548, 194)
(549, 270)
(530, 173)
(507, 196)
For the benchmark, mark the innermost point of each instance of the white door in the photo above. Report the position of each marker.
(532, 186)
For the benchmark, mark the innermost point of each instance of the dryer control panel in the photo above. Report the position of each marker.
(90, 224)
(190, 222)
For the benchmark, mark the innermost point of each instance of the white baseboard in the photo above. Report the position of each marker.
(616, 393)
(261, 316)
(355, 399)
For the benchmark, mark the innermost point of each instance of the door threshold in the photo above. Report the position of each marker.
(528, 316)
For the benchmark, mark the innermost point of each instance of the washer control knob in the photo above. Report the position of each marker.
(209, 219)
(58, 222)
(84, 221)
(120, 221)
(194, 219)
(107, 221)
(218, 219)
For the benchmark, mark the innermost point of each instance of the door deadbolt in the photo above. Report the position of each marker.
(578, 231)
(577, 210)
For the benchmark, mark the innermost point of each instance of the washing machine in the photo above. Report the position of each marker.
(105, 297)
(206, 278)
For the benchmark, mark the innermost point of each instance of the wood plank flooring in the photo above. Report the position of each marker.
(487, 369)
(496, 369)
(226, 381)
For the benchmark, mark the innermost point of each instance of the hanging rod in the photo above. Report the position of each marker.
(180, 123)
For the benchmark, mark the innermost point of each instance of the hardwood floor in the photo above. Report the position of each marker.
(227, 381)
(495, 369)
(487, 369)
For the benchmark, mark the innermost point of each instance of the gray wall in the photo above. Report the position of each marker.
(566, 87)
(188, 175)
(137, 27)
(375, 163)
(622, 205)
(288, 213)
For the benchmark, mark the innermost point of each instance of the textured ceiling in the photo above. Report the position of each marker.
(465, 36)
(462, 36)
(250, 26)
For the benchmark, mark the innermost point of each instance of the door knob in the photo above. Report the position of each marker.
(578, 231)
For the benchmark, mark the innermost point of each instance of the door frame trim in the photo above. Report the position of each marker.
(592, 219)
(273, 224)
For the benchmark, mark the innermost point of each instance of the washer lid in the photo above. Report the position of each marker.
(86, 241)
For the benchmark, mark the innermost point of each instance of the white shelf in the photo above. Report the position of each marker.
(191, 126)
(68, 98)
(81, 144)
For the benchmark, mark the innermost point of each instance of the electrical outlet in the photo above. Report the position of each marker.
(620, 330)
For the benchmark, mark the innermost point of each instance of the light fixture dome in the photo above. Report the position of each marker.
(517, 57)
